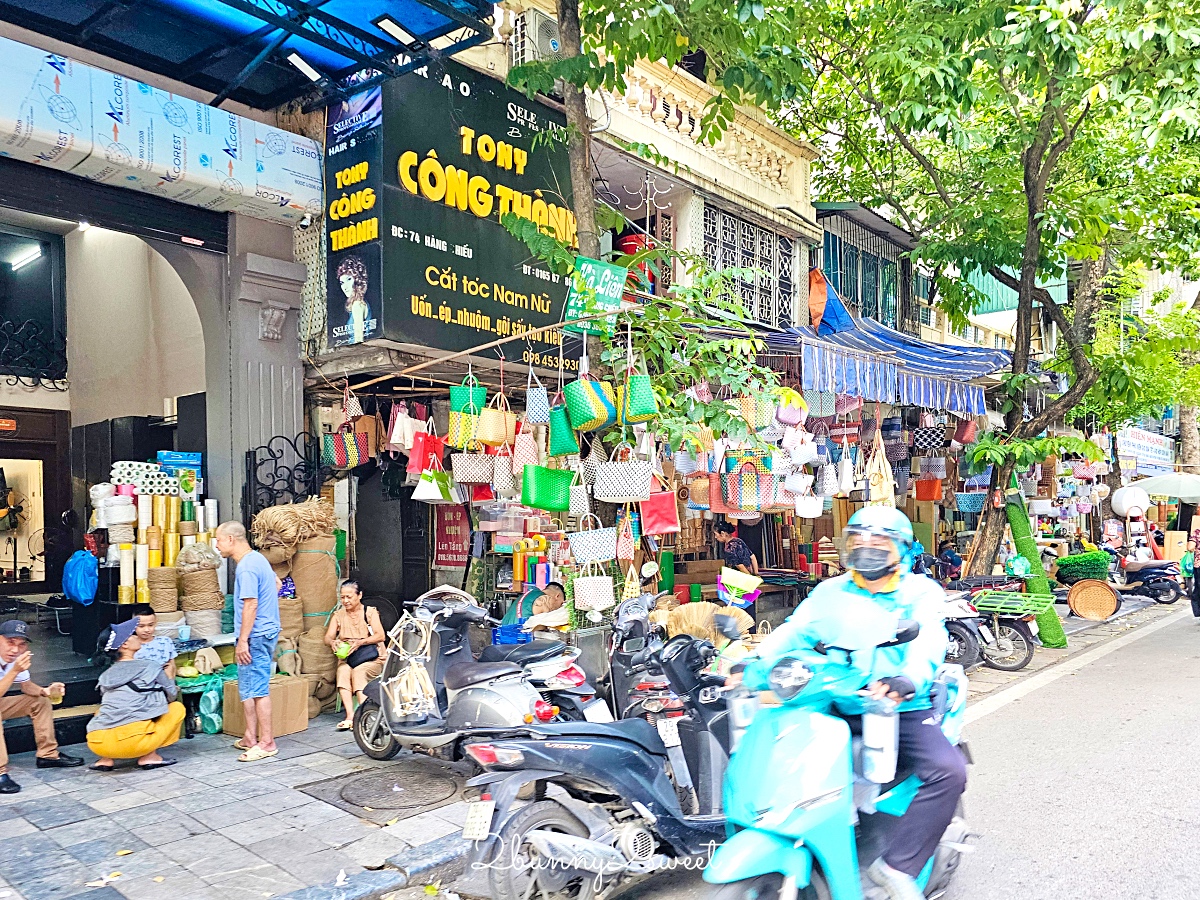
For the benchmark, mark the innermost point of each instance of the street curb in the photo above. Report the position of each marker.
(438, 860)
(360, 886)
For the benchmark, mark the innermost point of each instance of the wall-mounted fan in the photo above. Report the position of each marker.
(15, 511)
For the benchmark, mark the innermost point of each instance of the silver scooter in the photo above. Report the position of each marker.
(432, 690)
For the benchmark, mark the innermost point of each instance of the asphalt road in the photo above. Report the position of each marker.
(1085, 788)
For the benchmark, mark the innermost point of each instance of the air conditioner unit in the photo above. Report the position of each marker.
(535, 37)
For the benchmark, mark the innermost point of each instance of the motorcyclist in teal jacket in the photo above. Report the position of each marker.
(859, 609)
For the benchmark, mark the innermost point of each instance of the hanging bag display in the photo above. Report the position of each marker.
(623, 478)
(636, 400)
(827, 480)
(470, 396)
(389, 445)
(473, 466)
(425, 447)
(544, 488)
(497, 422)
(537, 400)
(462, 430)
(503, 478)
(845, 432)
(791, 409)
(934, 466)
(809, 505)
(965, 433)
(581, 500)
(845, 471)
(880, 484)
(593, 543)
(759, 457)
(434, 486)
(563, 441)
(345, 448)
(626, 540)
(591, 404)
(716, 495)
(929, 439)
(660, 513)
(593, 588)
(929, 487)
(525, 451)
(748, 488)
(351, 406)
(698, 499)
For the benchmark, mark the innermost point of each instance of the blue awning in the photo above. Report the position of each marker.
(872, 361)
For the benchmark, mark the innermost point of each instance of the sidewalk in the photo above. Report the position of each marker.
(207, 828)
(211, 827)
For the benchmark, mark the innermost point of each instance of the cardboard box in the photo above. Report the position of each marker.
(1175, 545)
(700, 566)
(289, 706)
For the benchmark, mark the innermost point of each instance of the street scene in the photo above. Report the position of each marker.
(585, 449)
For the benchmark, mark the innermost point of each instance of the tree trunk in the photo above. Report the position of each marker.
(1113, 480)
(1189, 440)
(579, 135)
(990, 531)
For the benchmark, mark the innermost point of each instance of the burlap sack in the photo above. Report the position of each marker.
(315, 572)
(314, 707)
(205, 623)
(291, 617)
(277, 556)
(286, 658)
(282, 570)
(315, 656)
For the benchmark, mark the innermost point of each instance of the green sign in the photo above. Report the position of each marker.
(604, 286)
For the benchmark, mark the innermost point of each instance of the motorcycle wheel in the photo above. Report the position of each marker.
(385, 746)
(769, 887)
(1012, 651)
(515, 871)
(1166, 592)
(963, 648)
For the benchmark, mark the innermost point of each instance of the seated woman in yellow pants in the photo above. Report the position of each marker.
(137, 717)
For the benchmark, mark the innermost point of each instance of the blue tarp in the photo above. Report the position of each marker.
(865, 358)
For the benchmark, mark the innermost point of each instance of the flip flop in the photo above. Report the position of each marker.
(256, 753)
(344, 725)
(240, 744)
(96, 767)
(162, 764)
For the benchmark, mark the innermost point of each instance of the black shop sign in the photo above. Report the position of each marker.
(417, 175)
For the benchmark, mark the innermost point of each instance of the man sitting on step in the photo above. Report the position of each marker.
(19, 696)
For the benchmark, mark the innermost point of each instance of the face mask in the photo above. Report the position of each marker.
(872, 563)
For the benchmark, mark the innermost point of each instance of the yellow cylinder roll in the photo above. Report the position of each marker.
(173, 508)
(155, 559)
(142, 590)
(170, 547)
(160, 510)
(126, 593)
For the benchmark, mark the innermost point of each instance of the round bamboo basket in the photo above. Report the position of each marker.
(1094, 600)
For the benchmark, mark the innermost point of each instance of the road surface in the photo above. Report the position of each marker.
(1085, 787)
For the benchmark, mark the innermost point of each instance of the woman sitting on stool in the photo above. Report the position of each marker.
(358, 627)
(137, 717)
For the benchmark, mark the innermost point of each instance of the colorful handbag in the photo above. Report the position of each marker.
(929, 487)
(895, 450)
(473, 467)
(463, 426)
(845, 432)
(1084, 471)
(660, 514)
(426, 446)
(792, 409)
(965, 434)
(525, 452)
(982, 480)
(497, 423)
(544, 488)
(623, 478)
(590, 403)
(697, 499)
(748, 487)
(470, 396)
(537, 400)
(934, 466)
(580, 503)
(626, 542)
(827, 480)
(345, 449)
(821, 403)
(758, 457)
(593, 588)
(588, 544)
(563, 441)
(635, 399)
(926, 440)
(434, 486)
(503, 477)
(351, 407)
(591, 462)
(389, 443)
(716, 495)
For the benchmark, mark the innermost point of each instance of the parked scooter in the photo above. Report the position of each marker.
(1002, 641)
(431, 688)
(644, 692)
(965, 646)
(551, 669)
(607, 809)
(798, 791)
(1157, 579)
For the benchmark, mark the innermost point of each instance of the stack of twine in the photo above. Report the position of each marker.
(188, 528)
(164, 595)
(292, 523)
(121, 534)
(201, 590)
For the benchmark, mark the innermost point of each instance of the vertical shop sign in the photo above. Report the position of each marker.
(603, 287)
(1154, 454)
(451, 537)
(353, 167)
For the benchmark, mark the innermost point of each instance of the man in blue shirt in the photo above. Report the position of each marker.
(256, 624)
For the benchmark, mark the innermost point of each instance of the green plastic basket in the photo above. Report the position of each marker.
(1012, 603)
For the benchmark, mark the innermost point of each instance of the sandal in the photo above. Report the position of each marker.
(161, 764)
(344, 725)
(96, 767)
(256, 753)
(240, 744)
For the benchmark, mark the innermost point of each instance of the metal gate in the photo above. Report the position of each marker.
(284, 470)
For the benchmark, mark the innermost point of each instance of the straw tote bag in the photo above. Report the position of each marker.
(623, 480)
(593, 543)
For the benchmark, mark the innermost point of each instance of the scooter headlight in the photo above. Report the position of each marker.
(788, 677)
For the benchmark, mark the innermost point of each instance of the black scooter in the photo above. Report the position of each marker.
(606, 810)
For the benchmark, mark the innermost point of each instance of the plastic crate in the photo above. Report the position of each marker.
(511, 634)
(1010, 603)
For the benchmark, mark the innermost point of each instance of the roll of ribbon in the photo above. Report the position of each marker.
(187, 511)
(126, 593)
(201, 519)
(160, 511)
(170, 547)
(145, 508)
(173, 508)
(127, 566)
(210, 514)
(187, 539)
(126, 490)
(204, 537)
(154, 560)
(154, 537)
(141, 561)
(142, 591)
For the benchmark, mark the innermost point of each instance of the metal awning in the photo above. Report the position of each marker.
(264, 52)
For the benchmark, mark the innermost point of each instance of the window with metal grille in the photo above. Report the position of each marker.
(925, 315)
(831, 260)
(850, 273)
(870, 286)
(769, 295)
(887, 284)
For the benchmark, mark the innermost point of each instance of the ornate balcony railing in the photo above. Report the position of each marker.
(33, 356)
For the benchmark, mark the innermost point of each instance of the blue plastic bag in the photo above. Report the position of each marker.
(81, 577)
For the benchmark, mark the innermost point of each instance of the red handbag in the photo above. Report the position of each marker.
(965, 432)
(425, 448)
(660, 514)
(846, 432)
(716, 496)
(929, 488)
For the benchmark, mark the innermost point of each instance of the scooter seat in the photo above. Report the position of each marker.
(464, 674)
(522, 654)
(639, 731)
(1143, 565)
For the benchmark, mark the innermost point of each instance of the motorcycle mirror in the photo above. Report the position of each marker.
(650, 570)
(906, 632)
(727, 626)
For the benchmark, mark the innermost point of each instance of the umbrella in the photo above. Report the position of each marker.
(1183, 485)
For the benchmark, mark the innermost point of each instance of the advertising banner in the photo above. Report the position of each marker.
(1154, 453)
(451, 534)
(459, 150)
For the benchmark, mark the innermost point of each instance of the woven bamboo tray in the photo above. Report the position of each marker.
(1092, 599)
